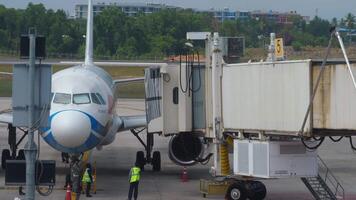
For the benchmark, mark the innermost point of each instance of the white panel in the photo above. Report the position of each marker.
(241, 159)
(170, 110)
(20, 94)
(197, 35)
(342, 105)
(264, 159)
(185, 103)
(260, 156)
(265, 96)
(155, 125)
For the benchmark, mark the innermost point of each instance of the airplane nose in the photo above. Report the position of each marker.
(71, 128)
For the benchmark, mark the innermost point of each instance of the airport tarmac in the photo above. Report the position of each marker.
(115, 160)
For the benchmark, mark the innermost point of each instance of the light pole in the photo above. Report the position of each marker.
(31, 147)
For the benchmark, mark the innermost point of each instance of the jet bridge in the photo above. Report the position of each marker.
(272, 98)
(269, 112)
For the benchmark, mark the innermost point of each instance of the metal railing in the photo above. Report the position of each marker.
(330, 180)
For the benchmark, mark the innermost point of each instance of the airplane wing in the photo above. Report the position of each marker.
(117, 64)
(102, 63)
(131, 122)
(6, 73)
(129, 80)
(6, 117)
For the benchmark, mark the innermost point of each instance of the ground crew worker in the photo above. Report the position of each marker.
(134, 179)
(88, 179)
(75, 176)
(65, 157)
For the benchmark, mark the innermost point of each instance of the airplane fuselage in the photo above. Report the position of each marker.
(82, 109)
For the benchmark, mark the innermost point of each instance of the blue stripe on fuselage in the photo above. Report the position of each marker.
(95, 124)
(90, 143)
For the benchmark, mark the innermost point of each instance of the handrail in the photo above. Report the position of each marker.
(339, 191)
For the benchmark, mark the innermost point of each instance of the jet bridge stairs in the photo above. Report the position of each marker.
(325, 186)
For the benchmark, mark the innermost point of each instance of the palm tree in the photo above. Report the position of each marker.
(350, 21)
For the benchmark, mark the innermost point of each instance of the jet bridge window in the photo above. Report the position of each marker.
(62, 98)
(81, 98)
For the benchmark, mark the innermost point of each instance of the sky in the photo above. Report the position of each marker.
(326, 9)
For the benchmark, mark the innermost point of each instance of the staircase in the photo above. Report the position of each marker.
(325, 186)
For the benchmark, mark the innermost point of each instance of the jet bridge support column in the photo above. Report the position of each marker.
(216, 64)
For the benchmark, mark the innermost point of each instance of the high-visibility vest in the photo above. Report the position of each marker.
(135, 174)
(86, 177)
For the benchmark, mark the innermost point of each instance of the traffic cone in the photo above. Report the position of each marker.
(69, 193)
(184, 176)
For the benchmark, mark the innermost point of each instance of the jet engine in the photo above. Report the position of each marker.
(186, 149)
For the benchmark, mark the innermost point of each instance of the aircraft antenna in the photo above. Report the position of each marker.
(89, 35)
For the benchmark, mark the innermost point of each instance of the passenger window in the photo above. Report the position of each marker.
(95, 99)
(81, 98)
(61, 98)
(102, 101)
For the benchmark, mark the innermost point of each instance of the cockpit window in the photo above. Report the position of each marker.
(61, 98)
(81, 98)
(51, 97)
(102, 101)
(95, 99)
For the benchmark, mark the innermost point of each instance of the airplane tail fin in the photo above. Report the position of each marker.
(89, 36)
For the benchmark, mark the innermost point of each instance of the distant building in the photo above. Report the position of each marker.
(278, 17)
(243, 15)
(131, 9)
(226, 14)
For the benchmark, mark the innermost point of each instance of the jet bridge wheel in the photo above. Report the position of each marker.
(236, 191)
(156, 161)
(256, 190)
(5, 155)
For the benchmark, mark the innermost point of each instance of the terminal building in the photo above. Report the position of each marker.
(131, 9)
(278, 17)
(227, 14)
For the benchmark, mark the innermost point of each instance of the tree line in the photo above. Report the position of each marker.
(155, 35)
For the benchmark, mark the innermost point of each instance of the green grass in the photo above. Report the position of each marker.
(5, 87)
(130, 90)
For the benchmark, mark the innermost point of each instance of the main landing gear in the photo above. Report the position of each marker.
(153, 159)
(10, 154)
(242, 190)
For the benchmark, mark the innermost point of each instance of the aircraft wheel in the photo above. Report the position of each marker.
(21, 155)
(236, 191)
(5, 155)
(257, 190)
(140, 160)
(156, 161)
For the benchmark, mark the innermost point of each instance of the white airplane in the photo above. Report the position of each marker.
(82, 114)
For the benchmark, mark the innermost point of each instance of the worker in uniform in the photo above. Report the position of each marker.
(65, 157)
(88, 179)
(134, 179)
(75, 176)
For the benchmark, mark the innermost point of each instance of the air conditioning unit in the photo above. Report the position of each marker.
(273, 159)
